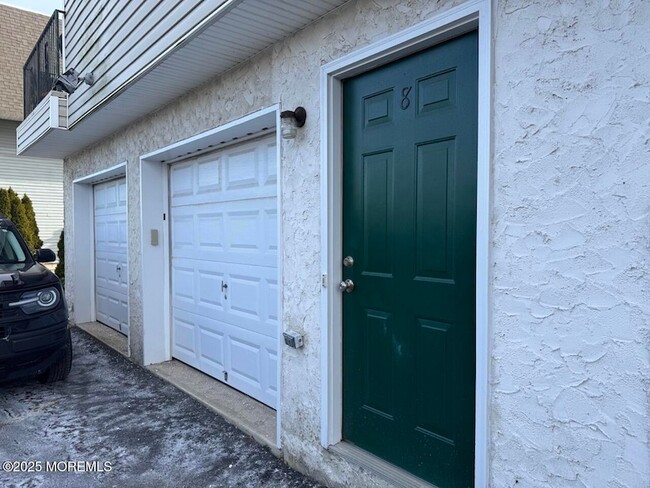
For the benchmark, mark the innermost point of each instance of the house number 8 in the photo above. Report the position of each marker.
(405, 97)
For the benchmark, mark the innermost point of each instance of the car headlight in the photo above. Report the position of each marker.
(38, 300)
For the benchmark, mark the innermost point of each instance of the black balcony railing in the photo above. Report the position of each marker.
(44, 64)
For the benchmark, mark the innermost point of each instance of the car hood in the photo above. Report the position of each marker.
(24, 275)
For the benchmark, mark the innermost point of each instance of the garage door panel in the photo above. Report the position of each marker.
(183, 289)
(271, 372)
(232, 196)
(182, 234)
(212, 345)
(251, 299)
(184, 337)
(246, 361)
(111, 272)
(256, 247)
(208, 175)
(242, 169)
(232, 232)
(112, 308)
(111, 269)
(194, 284)
(270, 218)
(209, 286)
(106, 269)
(250, 365)
(245, 296)
(272, 299)
(210, 231)
(196, 181)
(110, 197)
(243, 228)
(245, 323)
(245, 171)
(110, 233)
(224, 265)
(271, 168)
(227, 258)
(182, 181)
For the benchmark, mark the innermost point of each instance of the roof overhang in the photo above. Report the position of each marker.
(201, 55)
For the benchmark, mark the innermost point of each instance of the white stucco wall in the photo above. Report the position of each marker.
(570, 223)
(570, 294)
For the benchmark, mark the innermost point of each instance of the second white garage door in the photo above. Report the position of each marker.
(111, 270)
(224, 266)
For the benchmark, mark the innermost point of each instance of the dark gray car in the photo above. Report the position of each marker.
(34, 332)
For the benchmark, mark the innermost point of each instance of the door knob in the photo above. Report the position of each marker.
(347, 286)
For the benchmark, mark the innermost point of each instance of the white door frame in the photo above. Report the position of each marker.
(83, 235)
(474, 14)
(154, 207)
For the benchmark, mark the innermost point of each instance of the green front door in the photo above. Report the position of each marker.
(409, 200)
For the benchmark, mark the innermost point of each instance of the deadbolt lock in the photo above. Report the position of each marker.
(348, 261)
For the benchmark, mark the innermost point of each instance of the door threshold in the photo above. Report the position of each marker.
(373, 464)
(109, 336)
(247, 414)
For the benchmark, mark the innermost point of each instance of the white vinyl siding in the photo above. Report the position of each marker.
(50, 114)
(143, 56)
(116, 41)
(41, 179)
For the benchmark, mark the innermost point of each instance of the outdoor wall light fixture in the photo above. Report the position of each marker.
(291, 120)
(71, 80)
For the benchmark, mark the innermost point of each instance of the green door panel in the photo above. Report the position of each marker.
(409, 222)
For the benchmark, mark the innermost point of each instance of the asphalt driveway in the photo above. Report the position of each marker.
(116, 424)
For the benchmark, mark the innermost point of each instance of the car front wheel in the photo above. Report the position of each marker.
(60, 370)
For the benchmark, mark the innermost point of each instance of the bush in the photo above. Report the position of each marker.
(21, 213)
(60, 268)
(5, 205)
(31, 218)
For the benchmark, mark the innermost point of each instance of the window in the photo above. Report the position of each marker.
(10, 249)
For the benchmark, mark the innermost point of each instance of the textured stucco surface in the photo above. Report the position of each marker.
(570, 288)
(569, 231)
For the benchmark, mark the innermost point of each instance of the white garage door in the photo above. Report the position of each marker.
(224, 266)
(111, 271)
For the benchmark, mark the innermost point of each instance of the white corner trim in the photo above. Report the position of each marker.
(451, 23)
(483, 214)
(278, 154)
(231, 133)
(103, 175)
(54, 112)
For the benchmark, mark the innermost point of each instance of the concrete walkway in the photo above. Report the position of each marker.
(113, 411)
